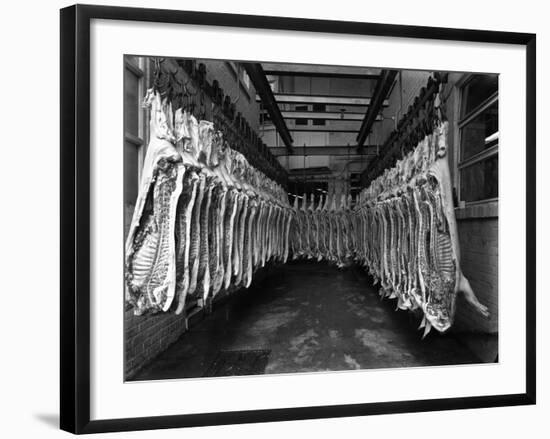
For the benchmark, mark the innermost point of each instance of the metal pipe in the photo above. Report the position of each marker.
(258, 78)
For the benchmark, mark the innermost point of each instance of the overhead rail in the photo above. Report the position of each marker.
(418, 122)
(381, 90)
(258, 78)
(183, 82)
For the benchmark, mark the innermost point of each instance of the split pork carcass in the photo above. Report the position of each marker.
(204, 220)
(323, 231)
(150, 247)
(407, 234)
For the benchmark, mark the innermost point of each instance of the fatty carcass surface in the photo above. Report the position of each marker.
(205, 220)
(408, 235)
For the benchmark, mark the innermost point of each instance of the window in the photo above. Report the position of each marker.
(134, 132)
(478, 129)
(301, 121)
(319, 108)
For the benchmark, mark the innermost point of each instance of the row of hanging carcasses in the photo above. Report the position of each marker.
(204, 221)
(324, 231)
(401, 228)
(406, 233)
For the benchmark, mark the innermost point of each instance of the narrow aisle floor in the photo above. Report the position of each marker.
(305, 317)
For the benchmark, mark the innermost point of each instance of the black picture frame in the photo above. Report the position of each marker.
(75, 217)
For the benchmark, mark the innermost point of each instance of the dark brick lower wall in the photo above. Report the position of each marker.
(479, 253)
(147, 336)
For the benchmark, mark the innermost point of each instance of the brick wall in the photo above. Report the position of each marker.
(479, 254)
(147, 336)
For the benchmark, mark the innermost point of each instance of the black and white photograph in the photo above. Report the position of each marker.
(275, 220)
(295, 216)
(285, 218)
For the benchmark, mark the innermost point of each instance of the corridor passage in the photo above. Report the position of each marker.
(305, 317)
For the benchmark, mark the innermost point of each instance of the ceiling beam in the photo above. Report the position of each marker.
(381, 90)
(335, 75)
(292, 98)
(322, 129)
(323, 115)
(327, 115)
(258, 78)
(317, 128)
(318, 70)
(299, 172)
(344, 151)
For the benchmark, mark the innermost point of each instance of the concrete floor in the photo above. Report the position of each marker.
(312, 317)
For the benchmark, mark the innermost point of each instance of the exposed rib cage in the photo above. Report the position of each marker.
(407, 233)
(205, 220)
